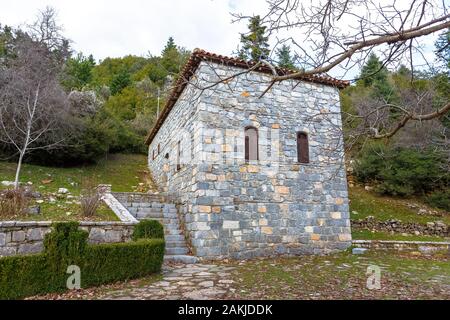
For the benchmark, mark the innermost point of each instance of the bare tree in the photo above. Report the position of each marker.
(32, 103)
(329, 34)
(46, 30)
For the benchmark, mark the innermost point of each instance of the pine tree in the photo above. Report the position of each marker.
(120, 81)
(170, 46)
(373, 71)
(173, 57)
(255, 44)
(375, 76)
(443, 48)
(285, 60)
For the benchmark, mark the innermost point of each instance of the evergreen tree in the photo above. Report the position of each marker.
(285, 60)
(374, 75)
(173, 57)
(78, 72)
(443, 48)
(170, 45)
(255, 44)
(120, 81)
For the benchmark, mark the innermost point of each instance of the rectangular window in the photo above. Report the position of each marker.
(302, 147)
(179, 155)
(251, 144)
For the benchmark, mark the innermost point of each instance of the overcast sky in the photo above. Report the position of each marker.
(114, 28)
(117, 28)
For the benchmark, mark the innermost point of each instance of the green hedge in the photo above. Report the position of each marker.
(148, 229)
(22, 276)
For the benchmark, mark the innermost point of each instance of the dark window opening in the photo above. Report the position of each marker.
(159, 148)
(251, 144)
(302, 148)
(178, 155)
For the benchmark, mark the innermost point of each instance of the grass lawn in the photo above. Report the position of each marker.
(364, 204)
(123, 172)
(343, 276)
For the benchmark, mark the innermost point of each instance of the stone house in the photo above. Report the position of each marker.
(252, 174)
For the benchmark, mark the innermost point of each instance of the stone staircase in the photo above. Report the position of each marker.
(153, 207)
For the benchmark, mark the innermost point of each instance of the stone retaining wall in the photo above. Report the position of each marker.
(422, 246)
(27, 237)
(437, 228)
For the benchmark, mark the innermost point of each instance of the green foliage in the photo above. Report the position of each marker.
(401, 171)
(439, 199)
(375, 75)
(255, 44)
(285, 59)
(148, 229)
(22, 276)
(120, 81)
(443, 48)
(173, 57)
(78, 72)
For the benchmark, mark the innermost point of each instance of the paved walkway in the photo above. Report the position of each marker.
(182, 281)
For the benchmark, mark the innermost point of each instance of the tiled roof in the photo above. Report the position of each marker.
(199, 55)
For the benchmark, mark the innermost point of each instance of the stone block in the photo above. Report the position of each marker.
(315, 236)
(35, 234)
(266, 230)
(7, 251)
(113, 236)
(282, 190)
(204, 209)
(345, 237)
(335, 215)
(227, 224)
(359, 250)
(18, 236)
(28, 248)
(2, 239)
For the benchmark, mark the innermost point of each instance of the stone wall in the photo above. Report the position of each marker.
(437, 228)
(27, 237)
(421, 246)
(266, 207)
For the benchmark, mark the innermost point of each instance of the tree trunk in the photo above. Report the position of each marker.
(19, 166)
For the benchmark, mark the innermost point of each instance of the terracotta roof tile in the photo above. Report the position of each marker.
(199, 55)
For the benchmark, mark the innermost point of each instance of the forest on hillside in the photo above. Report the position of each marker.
(91, 108)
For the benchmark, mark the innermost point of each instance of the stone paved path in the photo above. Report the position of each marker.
(182, 281)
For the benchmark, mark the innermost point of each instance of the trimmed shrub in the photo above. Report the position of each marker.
(148, 229)
(66, 245)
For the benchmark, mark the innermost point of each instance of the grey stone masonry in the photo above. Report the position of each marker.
(27, 237)
(274, 205)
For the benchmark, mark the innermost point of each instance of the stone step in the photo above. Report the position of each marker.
(180, 259)
(176, 244)
(176, 251)
(172, 231)
(173, 237)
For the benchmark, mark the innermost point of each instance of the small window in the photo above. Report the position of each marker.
(159, 148)
(153, 155)
(251, 144)
(302, 147)
(178, 155)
